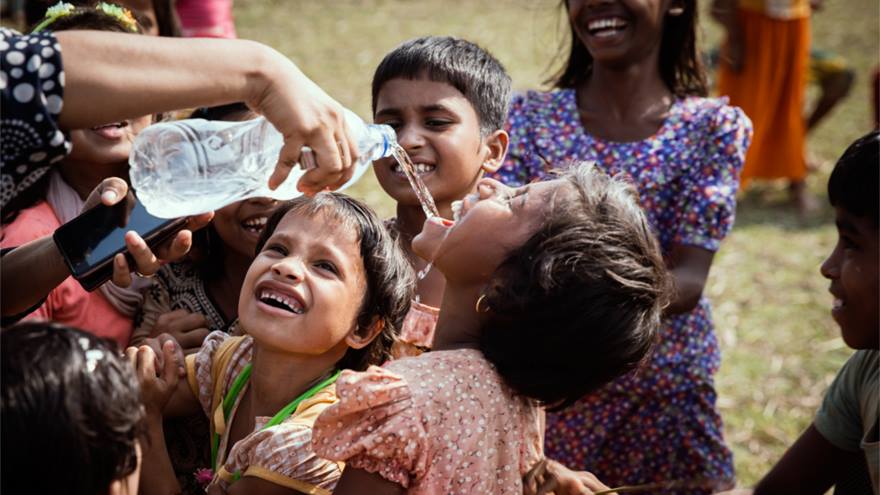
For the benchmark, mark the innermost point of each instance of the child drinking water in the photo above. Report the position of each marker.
(447, 99)
(72, 419)
(197, 295)
(631, 98)
(327, 291)
(552, 290)
(58, 196)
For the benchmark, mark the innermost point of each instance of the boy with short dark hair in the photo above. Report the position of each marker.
(447, 99)
(842, 443)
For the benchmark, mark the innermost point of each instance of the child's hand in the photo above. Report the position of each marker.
(188, 329)
(549, 476)
(157, 377)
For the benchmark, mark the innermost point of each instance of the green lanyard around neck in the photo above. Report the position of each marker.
(284, 413)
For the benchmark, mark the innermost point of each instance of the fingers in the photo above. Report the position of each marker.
(163, 340)
(121, 271)
(179, 321)
(193, 338)
(287, 159)
(173, 363)
(197, 222)
(531, 479)
(331, 167)
(110, 191)
(176, 248)
(145, 261)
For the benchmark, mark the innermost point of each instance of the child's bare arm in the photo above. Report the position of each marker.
(810, 466)
(689, 267)
(355, 481)
(157, 473)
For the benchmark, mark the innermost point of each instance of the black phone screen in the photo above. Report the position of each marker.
(98, 234)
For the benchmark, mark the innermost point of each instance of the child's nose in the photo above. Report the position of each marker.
(488, 188)
(289, 269)
(409, 138)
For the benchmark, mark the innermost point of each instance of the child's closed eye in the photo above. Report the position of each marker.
(275, 248)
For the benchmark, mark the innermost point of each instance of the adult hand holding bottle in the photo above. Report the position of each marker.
(114, 76)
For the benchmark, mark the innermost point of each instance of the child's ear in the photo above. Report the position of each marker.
(497, 144)
(360, 337)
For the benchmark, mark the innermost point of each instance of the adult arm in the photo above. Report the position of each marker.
(689, 268)
(141, 75)
(810, 466)
(23, 286)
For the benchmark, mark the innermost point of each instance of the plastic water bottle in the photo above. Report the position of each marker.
(193, 166)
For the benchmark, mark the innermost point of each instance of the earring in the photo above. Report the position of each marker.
(479, 302)
(675, 11)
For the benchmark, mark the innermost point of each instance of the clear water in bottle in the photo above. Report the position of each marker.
(192, 166)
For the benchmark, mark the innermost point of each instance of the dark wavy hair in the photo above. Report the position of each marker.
(679, 63)
(855, 180)
(389, 276)
(580, 302)
(71, 411)
(467, 67)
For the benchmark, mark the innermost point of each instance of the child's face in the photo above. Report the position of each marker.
(439, 129)
(855, 280)
(619, 31)
(240, 224)
(492, 222)
(108, 144)
(304, 289)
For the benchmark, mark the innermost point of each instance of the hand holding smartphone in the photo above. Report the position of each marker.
(90, 241)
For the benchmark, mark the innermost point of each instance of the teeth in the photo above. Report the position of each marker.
(456, 209)
(611, 23)
(256, 223)
(289, 302)
(837, 304)
(419, 168)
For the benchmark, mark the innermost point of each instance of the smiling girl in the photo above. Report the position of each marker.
(327, 291)
(631, 97)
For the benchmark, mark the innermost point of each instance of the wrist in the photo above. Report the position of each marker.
(262, 72)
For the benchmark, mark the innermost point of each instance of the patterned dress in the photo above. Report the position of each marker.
(442, 422)
(661, 423)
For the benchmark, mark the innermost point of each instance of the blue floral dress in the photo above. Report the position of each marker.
(660, 423)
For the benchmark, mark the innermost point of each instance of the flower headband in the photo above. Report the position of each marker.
(63, 9)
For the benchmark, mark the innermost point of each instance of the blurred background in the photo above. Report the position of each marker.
(781, 349)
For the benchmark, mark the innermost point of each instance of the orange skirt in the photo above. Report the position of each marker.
(770, 90)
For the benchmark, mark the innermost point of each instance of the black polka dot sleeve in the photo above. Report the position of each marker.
(32, 83)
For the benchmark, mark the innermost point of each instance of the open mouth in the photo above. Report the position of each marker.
(419, 168)
(281, 301)
(111, 131)
(457, 206)
(606, 27)
(255, 225)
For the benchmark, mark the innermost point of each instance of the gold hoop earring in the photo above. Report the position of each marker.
(479, 302)
(676, 11)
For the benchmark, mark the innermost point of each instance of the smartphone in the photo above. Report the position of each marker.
(90, 241)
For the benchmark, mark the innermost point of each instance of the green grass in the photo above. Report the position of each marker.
(780, 346)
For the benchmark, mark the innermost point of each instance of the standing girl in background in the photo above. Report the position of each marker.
(630, 98)
(763, 69)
